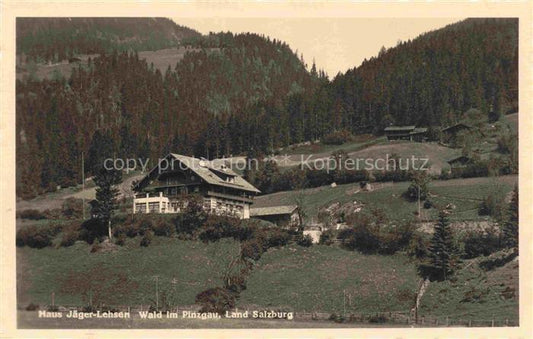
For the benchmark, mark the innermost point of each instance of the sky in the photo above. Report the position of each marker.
(335, 44)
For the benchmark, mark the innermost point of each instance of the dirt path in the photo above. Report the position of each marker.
(55, 200)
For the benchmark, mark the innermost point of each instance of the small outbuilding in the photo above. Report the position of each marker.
(459, 164)
(283, 216)
(411, 133)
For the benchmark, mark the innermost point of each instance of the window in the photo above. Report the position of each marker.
(140, 208)
(153, 207)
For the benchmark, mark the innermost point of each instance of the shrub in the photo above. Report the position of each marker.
(54, 213)
(428, 204)
(327, 237)
(147, 239)
(32, 307)
(31, 214)
(120, 239)
(478, 243)
(217, 227)
(236, 283)
(72, 208)
(92, 229)
(192, 218)
(163, 227)
(419, 186)
(492, 206)
(305, 240)
(251, 249)
(277, 237)
(497, 259)
(69, 238)
(218, 300)
(418, 247)
(36, 236)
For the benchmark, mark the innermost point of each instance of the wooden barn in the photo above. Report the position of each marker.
(459, 164)
(164, 188)
(411, 133)
(283, 216)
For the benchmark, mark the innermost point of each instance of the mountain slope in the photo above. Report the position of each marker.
(56, 39)
(434, 78)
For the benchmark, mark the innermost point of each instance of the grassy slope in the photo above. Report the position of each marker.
(194, 265)
(293, 277)
(313, 279)
(466, 194)
(447, 298)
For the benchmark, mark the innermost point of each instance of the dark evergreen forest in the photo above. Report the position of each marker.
(242, 94)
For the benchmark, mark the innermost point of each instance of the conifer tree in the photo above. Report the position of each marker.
(441, 249)
(106, 196)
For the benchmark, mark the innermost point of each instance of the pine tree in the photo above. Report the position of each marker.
(106, 196)
(441, 249)
(510, 228)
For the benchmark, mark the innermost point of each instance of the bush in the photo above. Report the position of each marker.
(478, 243)
(418, 246)
(54, 213)
(251, 249)
(72, 208)
(163, 227)
(32, 307)
(277, 237)
(69, 238)
(428, 204)
(147, 239)
(497, 259)
(120, 239)
(217, 227)
(326, 238)
(31, 214)
(36, 236)
(92, 229)
(368, 237)
(305, 240)
(236, 283)
(218, 300)
(492, 206)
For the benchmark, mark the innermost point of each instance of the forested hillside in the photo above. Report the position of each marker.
(242, 94)
(435, 78)
(56, 39)
(213, 102)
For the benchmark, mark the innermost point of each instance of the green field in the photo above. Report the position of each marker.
(192, 265)
(474, 294)
(358, 143)
(302, 279)
(313, 280)
(465, 194)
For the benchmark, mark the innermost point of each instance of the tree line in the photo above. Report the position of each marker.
(246, 94)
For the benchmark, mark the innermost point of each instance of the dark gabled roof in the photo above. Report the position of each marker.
(274, 210)
(399, 128)
(456, 126)
(462, 158)
(419, 130)
(207, 170)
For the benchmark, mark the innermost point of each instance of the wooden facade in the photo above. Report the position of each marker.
(411, 133)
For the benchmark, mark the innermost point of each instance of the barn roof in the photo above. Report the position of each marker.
(399, 128)
(461, 158)
(274, 210)
(456, 126)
